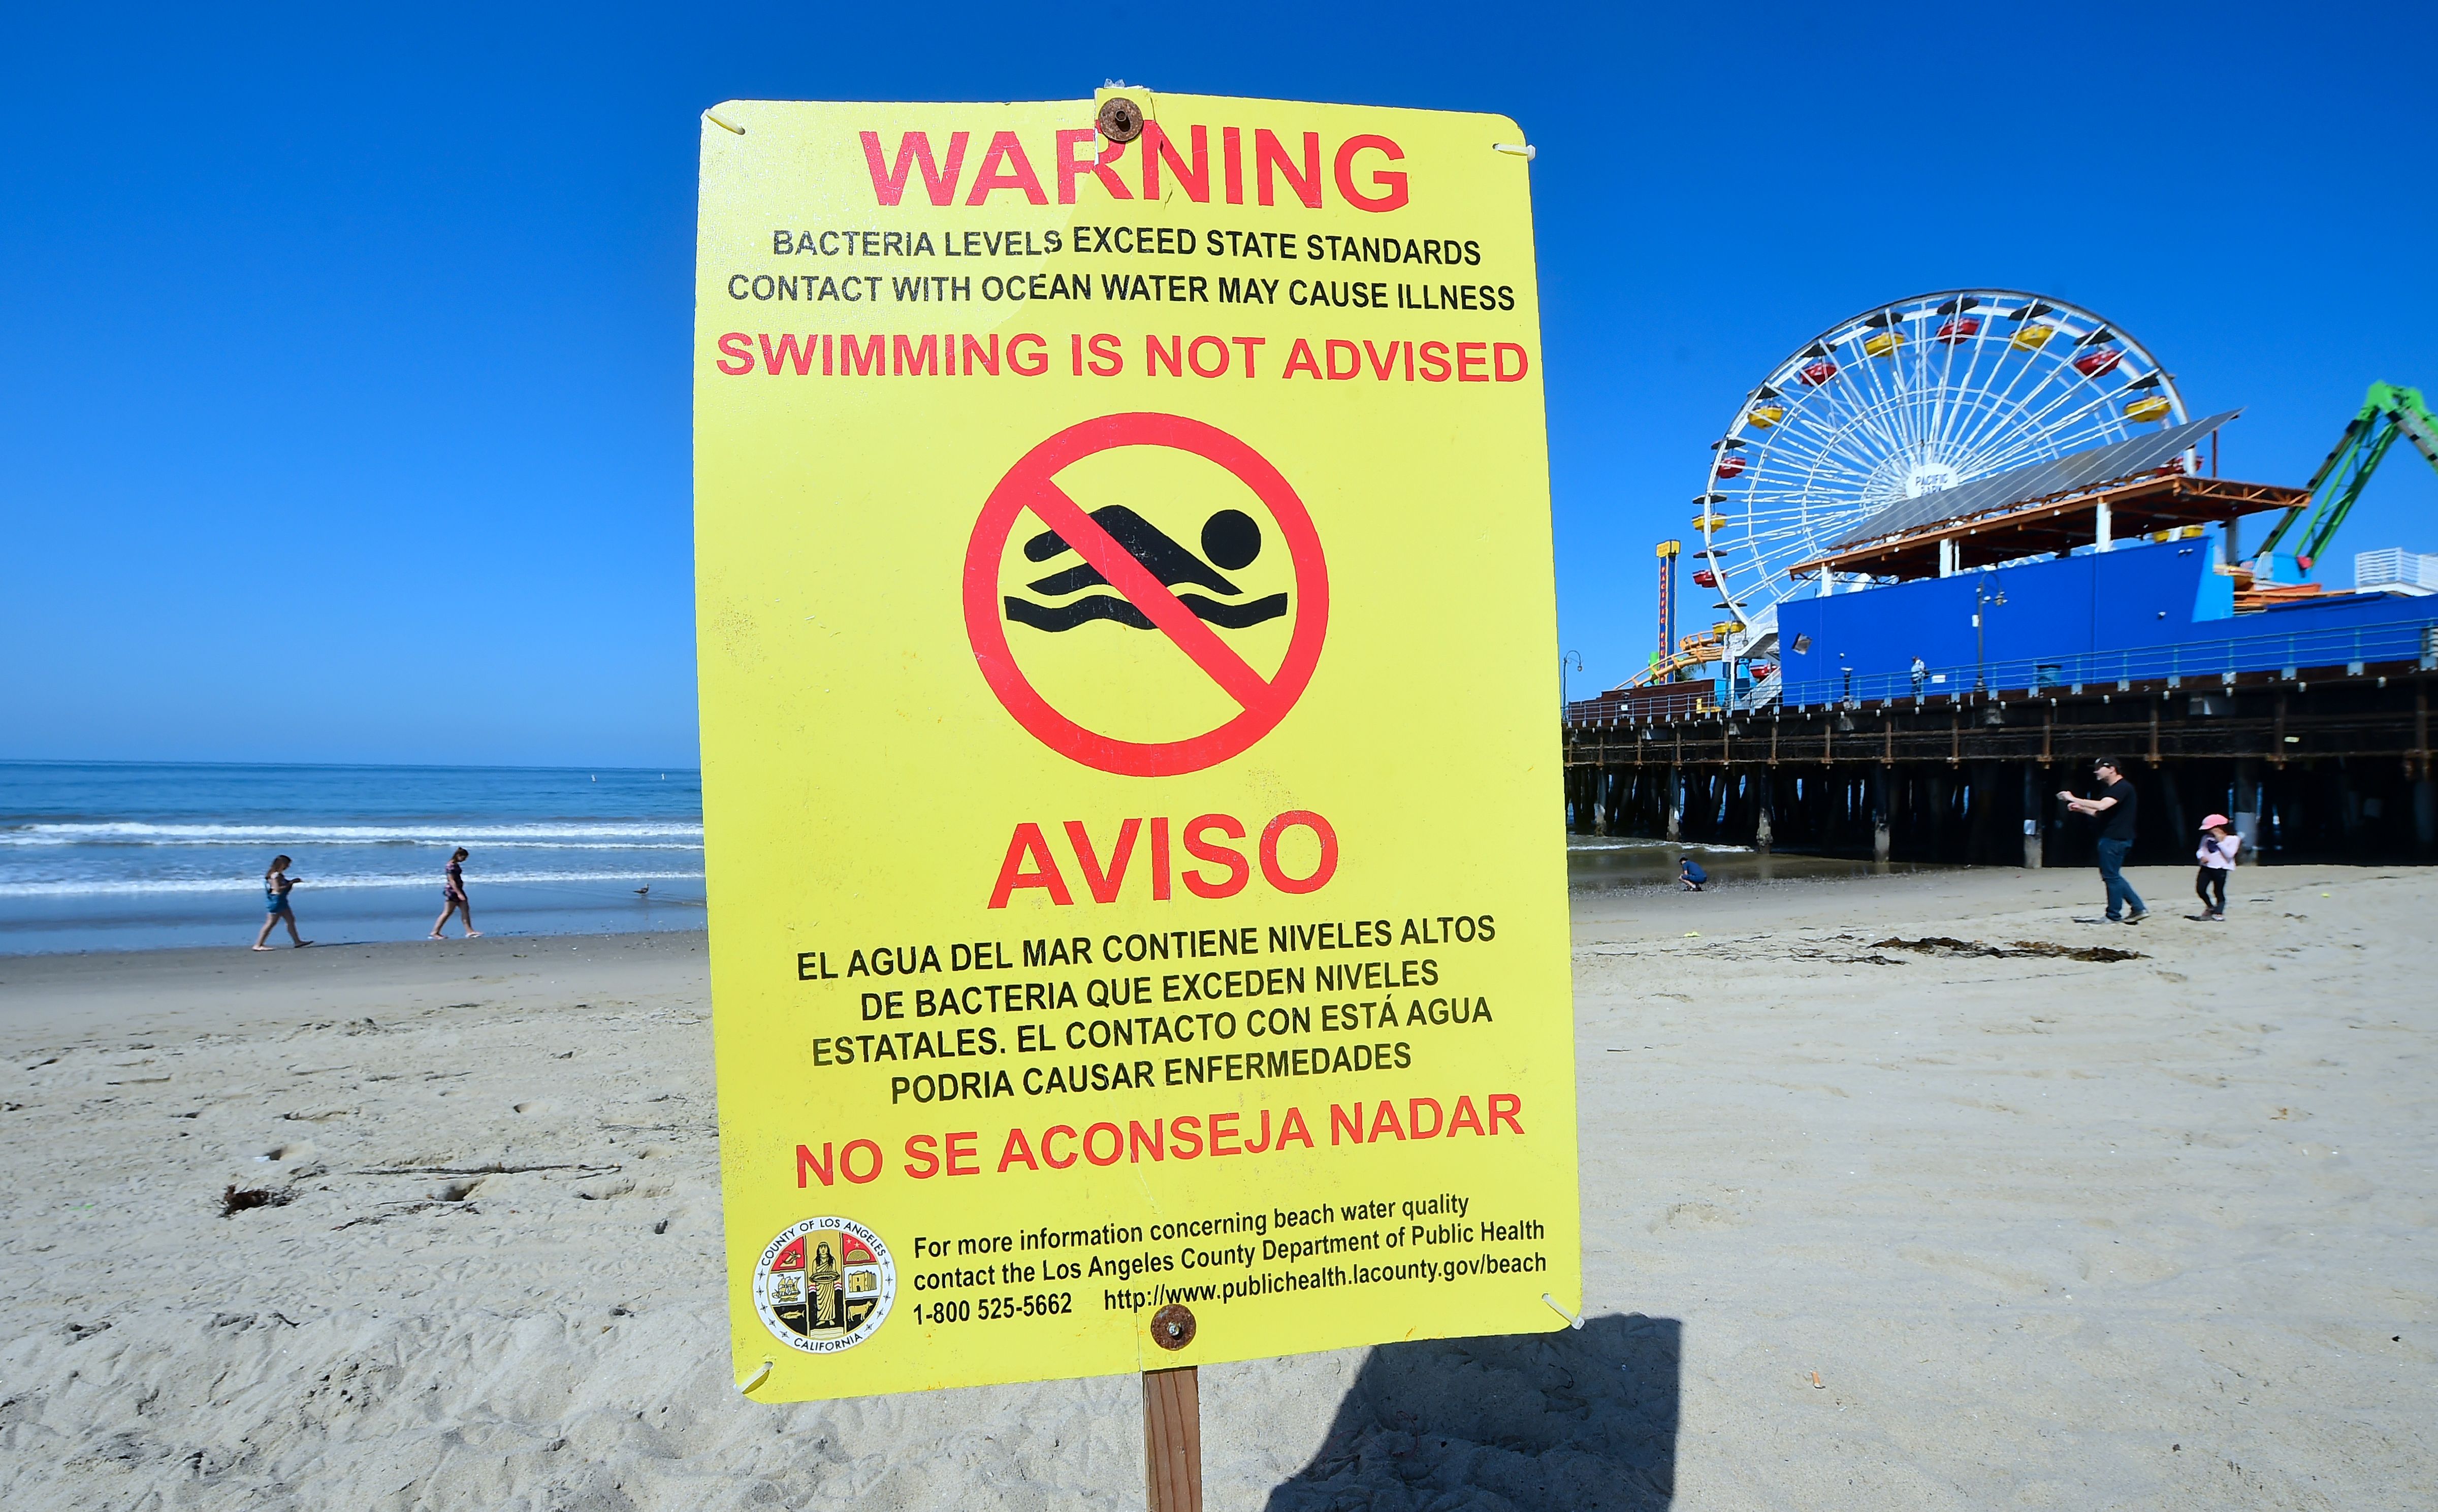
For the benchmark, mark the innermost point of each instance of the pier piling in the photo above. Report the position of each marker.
(2326, 765)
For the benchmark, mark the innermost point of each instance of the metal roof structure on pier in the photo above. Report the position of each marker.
(2140, 484)
(2041, 479)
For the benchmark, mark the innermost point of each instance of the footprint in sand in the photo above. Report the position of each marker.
(1697, 1216)
(1981, 1269)
(2122, 1264)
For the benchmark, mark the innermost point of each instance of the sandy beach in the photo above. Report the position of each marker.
(1868, 1224)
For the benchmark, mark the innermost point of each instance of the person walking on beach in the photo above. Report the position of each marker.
(2216, 856)
(2115, 809)
(277, 883)
(453, 895)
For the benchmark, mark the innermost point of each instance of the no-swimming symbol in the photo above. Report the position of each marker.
(1127, 572)
(1231, 539)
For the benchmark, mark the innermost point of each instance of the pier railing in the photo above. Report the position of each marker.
(2291, 655)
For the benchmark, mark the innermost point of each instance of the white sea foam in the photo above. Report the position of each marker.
(638, 834)
(308, 886)
(111, 855)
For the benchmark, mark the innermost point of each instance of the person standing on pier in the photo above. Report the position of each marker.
(2115, 809)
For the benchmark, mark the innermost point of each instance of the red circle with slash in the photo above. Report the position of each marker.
(1031, 485)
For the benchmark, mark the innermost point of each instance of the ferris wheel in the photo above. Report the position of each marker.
(1901, 400)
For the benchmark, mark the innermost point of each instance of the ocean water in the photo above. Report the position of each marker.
(1600, 864)
(135, 856)
(132, 856)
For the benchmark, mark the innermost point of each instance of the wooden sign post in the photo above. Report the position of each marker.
(1173, 1420)
(1173, 1439)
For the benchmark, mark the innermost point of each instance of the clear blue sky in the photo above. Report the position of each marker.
(344, 378)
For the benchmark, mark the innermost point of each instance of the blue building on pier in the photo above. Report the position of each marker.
(2137, 612)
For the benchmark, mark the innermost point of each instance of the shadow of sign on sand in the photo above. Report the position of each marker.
(1529, 1421)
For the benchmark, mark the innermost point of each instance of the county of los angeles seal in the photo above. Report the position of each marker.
(824, 1285)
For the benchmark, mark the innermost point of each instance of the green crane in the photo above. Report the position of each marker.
(2387, 413)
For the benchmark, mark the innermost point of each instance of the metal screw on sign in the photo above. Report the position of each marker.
(1121, 119)
(1172, 1327)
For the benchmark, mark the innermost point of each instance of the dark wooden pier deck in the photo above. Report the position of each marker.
(2334, 762)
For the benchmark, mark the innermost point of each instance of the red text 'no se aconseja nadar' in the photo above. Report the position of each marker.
(1186, 1136)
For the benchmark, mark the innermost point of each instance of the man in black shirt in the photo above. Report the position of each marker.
(2114, 808)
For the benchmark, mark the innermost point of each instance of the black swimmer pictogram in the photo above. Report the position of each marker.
(1285, 540)
(1231, 538)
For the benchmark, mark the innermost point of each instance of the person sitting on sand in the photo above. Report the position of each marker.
(453, 895)
(1690, 873)
(275, 885)
(2216, 856)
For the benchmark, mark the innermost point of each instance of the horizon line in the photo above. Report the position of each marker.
(428, 767)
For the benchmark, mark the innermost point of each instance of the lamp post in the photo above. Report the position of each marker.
(1565, 658)
(1985, 598)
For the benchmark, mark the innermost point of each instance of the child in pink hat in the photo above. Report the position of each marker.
(2216, 856)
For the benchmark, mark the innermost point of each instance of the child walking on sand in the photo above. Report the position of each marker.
(275, 885)
(2216, 856)
(453, 895)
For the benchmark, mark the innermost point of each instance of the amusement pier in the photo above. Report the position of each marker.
(1963, 543)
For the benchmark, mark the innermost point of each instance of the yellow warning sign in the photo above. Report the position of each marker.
(1132, 805)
